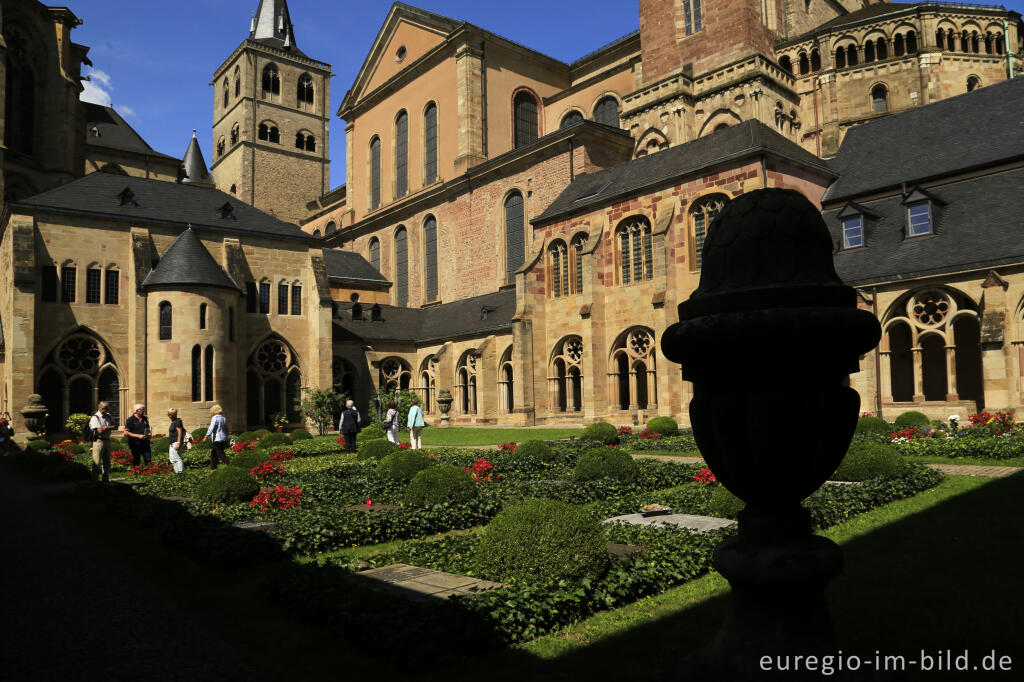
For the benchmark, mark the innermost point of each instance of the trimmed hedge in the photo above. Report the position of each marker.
(724, 504)
(402, 465)
(866, 460)
(537, 449)
(199, 434)
(374, 449)
(606, 463)
(874, 425)
(602, 432)
(371, 432)
(992, 447)
(246, 435)
(538, 541)
(909, 419)
(247, 459)
(301, 434)
(228, 484)
(274, 440)
(39, 445)
(665, 426)
(440, 485)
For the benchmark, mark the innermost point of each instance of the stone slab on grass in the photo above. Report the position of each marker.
(700, 524)
(414, 582)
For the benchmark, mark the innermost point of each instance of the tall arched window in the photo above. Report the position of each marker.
(430, 256)
(815, 60)
(911, 42)
(269, 384)
(202, 316)
(79, 371)
(805, 64)
(238, 82)
(20, 109)
(786, 63)
(576, 263)
(881, 49)
(234, 134)
(840, 57)
(165, 321)
(331, 228)
(271, 81)
(428, 383)
(607, 112)
(702, 214)
(632, 374)
(851, 55)
(558, 269)
(375, 254)
(973, 82)
(401, 154)
(226, 93)
(304, 89)
(515, 224)
(565, 376)
(401, 267)
(430, 144)
(197, 373)
(898, 48)
(869, 52)
(208, 373)
(374, 173)
(465, 383)
(636, 263)
(571, 118)
(879, 99)
(526, 119)
(506, 386)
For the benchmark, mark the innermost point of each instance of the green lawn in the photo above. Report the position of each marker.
(483, 436)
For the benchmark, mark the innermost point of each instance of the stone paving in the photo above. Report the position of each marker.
(414, 582)
(977, 470)
(700, 524)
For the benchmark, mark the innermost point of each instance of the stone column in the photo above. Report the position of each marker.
(570, 394)
(918, 376)
(885, 378)
(951, 389)
(652, 390)
(632, 390)
(471, 144)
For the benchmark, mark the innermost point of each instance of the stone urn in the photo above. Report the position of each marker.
(34, 415)
(770, 337)
(444, 401)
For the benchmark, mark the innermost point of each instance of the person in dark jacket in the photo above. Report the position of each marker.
(138, 432)
(349, 426)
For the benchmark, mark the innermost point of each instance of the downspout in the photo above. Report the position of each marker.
(252, 131)
(878, 358)
(817, 125)
(764, 172)
(1006, 42)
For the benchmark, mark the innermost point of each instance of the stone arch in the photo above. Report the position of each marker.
(427, 388)
(717, 118)
(506, 382)
(269, 369)
(466, 382)
(702, 211)
(571, 116)
(632, 370)
(77, 372)
(652, 140)
(394, 374)
(565, 375)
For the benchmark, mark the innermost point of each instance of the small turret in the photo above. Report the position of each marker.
(194, 165)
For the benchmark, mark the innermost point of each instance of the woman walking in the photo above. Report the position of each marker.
(415, 423)
(176, 434)
(349, 425)
(218, 431)
(391, 424)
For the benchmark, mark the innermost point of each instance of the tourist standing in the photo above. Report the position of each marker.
(349, 425)
(218, 431)
(100, 425)
(176, 432)
(138, 432)
(391, 424)
(6, 434)
(415, 423)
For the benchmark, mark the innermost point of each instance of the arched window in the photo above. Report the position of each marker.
(238, 82)
(197, 373)
(881, 49)
(430, 256)
(264, 298)
(226, 93)
(343, 378)
(208, 373)
(805, 64)
(851, 55)
(506, 392)
(79, 371)
(375, 254)
(296, 298)
(840, 57)
(20, 109)
(300, 140)
(165, 321)
(374, 173)
(815, 60)
(558, 269)
(973, 83)
(988, 43)
(632, 375)
(869, 52)
(911, 42)
(304, 89)
(331, 228)
(786, 64)
(282, 298)
(975, 42)
(465, 383)
(234, 134)
(202, 316)
(92, 284)
(701, 215)
(274, 135)
(565, 376)
(271, 81)
(428, 383)
(111, 291)
(269, 132)
(897, 45)
(607, 112)
(569, 119)
(635, 250)
(515, 224)
(264, 132)
(576, 263)
(394, 374)
(999, 43)
(950, 40)
(430, 144)
(220, 146)
(68, 283)
(401, 267)
(401, 154)
(526, 119)
(270, 386)
(965, 41)
(879, 99)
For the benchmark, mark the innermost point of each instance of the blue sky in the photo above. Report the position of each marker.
(153, 61)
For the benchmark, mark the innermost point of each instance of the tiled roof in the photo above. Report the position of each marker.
(186, 262)
(156, 201)
(735, 141)
(113, 131)
(979, 226)
(972, 130)
(477, 315)
(349, 265)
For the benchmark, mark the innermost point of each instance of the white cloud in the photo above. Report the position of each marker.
(102, 77)
(126, 111)
(92, 92)
(97, 91)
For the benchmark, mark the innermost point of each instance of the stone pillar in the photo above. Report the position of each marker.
(20, 315)
(471, 144)
(570, 394)
(951, 389)
(632, 390)
(652, 390)
(918, 376)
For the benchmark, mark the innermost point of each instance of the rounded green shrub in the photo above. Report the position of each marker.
(874, 425)
(724, 504)
(440, 484)
(603, 432)
(375, 449)
(199, 434)
(540, 540)
(228, 484)
(39, 445)
(301, 434)
(402, 465)
(371, 432)
(535, 449)
(911, 419)
(260, 433)
(246, 435)
(606, 463)
(159, 446)
(247, 459)
(202, 445)
(665, 426)
(274, 440)
(867, 460)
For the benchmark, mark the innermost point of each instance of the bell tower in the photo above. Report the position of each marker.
(271, 118)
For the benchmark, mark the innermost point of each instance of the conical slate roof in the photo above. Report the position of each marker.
(195, 165)
(272, 25)
(186, 262)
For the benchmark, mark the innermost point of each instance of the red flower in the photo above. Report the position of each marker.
(507, 447)
(278, 497)
(267, 469)
(625, 430)
(405, 446)
(482, 471)
(705, 476)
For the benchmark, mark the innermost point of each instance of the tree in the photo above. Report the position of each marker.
(403, 398)
(320, 405)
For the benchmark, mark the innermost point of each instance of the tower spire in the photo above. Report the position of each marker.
(273, 24)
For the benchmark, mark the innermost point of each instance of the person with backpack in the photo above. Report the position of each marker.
(349, 425)
(391, 424)
(98, 431)
(177, 434)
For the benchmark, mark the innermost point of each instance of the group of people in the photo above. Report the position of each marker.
(140, 434)
(351, 424)
(6, 433)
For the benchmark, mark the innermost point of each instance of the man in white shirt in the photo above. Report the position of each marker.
(101, 424)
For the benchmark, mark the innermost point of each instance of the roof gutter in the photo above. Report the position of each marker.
(1009, 52)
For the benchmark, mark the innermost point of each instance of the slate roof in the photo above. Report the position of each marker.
(749, 137)
(976, 129)
(195, 165)
(266, 29)
(422, 325)
(350, 266)
(186, 262)
(114, 131)
(157, 201)
(980, 226)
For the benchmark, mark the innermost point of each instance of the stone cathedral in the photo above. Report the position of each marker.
(513, 229)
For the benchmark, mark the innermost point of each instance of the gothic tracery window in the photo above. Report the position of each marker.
(394, 374)
(565, 376)
(273, 382)
(635, 252)
(701, 216)
(465, 383)
(632, 378)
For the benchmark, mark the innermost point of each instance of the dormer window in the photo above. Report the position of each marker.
(376, 313)
(853, 232)
(227, 211)
(127, 197)
(919, 218)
